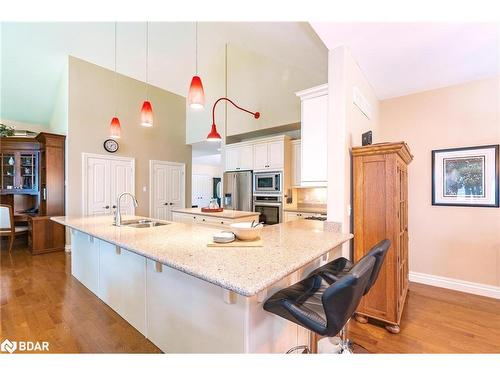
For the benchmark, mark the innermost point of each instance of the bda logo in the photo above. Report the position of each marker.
(8, 346)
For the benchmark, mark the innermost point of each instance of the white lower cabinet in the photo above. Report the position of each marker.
(122, 283)
(180, 217)
(85, 260)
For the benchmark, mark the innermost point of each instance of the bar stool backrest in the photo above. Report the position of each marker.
(341, 299)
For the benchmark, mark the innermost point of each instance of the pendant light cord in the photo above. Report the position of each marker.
(147, 60)
(116, 93)
(196, 27)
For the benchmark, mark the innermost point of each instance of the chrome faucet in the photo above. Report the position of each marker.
(118, 214)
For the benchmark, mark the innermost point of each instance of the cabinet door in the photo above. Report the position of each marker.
(275, 155)
(296, 164)
(122, 283)
(232, 156)
(122, 180)
(245, 157)
(314, 140)
(291, 216)
(85, 260)
(98, 187)
(260, 157)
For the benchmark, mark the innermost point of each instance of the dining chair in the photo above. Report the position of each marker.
(7, 225)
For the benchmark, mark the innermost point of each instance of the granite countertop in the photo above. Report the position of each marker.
(226, 214)
(244, 270)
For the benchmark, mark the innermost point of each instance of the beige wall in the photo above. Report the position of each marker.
(91, 107)
(457, 242)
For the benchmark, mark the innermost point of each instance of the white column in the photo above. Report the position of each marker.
(339, 176)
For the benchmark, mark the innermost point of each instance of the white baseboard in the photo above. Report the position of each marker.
(455, 284)
(67, 248)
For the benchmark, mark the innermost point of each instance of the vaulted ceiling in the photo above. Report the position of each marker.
(33, 55)
(403, 58)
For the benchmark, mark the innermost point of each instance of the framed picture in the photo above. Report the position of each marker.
(466, 176)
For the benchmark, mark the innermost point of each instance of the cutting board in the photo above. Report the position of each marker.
(237, 243)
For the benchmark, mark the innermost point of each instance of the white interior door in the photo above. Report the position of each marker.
(104, 178)
(97, 199)
(167, 181)
(121, 172)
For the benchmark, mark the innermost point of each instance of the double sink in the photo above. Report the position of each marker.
(142, 223)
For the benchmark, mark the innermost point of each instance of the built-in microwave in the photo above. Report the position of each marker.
(267, 183)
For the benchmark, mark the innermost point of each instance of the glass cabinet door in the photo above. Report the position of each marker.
(28, 171)
(8, 171)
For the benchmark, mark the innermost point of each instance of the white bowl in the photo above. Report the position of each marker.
(244, 231)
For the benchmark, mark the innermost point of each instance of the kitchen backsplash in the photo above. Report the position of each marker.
(316, 196)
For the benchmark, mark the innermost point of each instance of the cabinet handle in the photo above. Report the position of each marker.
(203, 219)
(171, 203)
(165, 204)
(106, 207)
(44, 194)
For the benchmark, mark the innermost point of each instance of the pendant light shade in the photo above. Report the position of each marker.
(214, 136)
(115, 129)
(147, 114)
(196, 95)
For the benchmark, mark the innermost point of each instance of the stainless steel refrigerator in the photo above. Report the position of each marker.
(238, 191)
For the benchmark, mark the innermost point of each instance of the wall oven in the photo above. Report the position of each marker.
(269, 207)
(268, 183)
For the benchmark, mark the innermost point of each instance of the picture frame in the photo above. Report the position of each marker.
(466, 176)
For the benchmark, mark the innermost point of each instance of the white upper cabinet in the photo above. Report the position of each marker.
(239, 157)
(259, 155)
(314, 122)
(269, 155)
(295, 167)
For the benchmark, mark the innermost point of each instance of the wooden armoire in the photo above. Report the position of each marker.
(380, 200)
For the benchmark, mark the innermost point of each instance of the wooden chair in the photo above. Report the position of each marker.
(7, 226)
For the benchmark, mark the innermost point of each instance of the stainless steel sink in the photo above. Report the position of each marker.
(142, 223)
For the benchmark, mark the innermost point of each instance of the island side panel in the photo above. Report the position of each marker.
(189, 315)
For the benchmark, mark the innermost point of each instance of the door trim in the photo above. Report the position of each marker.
(85, 158)
(152, 163)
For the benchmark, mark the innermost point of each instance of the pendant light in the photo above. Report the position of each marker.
(196, 95)
(115, 128)
(214, 135)
(147, 109)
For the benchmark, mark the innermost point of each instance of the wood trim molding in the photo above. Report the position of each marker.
(313, 92)
(400, 148)
(455, 284)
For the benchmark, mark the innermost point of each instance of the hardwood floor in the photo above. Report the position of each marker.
(41, 301)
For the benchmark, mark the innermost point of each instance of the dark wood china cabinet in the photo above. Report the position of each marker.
(32, 181)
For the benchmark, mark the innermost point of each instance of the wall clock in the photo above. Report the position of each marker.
(110, 145)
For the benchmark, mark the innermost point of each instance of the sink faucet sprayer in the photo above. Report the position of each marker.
(118, 214)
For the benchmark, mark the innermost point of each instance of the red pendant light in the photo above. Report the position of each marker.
(196, 94)
(147, 114)
(115, 129)
(147, 109)
(214, 135)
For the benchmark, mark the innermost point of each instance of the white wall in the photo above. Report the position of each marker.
(346, 123)
(259, 83)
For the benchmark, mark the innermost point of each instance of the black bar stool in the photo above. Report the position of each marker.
(335, 269)
(321, 308)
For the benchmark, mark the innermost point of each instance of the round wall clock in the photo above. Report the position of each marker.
(110, 145)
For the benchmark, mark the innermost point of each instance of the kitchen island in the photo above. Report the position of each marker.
(189, 298)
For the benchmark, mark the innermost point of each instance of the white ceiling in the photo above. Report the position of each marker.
(403, 58)
(33, 54)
